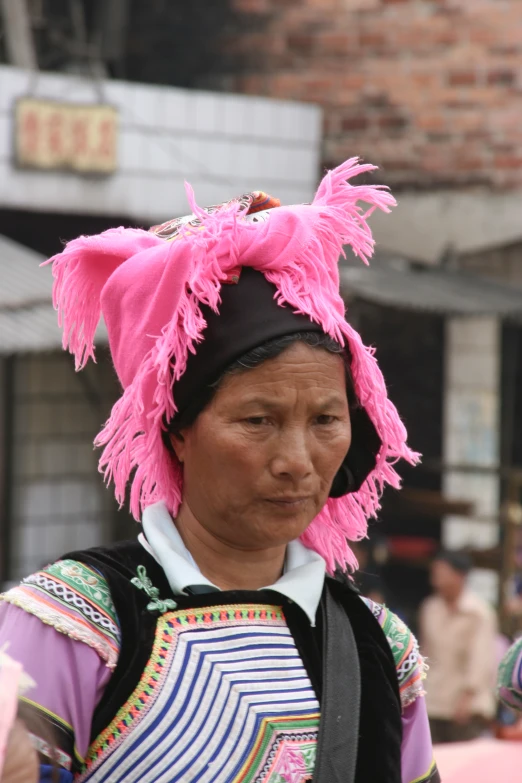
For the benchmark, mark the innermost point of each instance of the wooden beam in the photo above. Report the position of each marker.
(411, 502)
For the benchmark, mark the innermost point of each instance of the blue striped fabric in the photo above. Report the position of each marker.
(234, 703)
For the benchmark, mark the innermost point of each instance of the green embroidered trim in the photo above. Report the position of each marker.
(87, 582)
(411, 666)
(399, 636)
(142, 582)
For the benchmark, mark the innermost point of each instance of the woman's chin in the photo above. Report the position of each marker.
(280, 530)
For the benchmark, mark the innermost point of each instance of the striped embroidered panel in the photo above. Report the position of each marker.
(225, 697)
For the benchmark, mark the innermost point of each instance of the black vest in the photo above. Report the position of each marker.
(380, 733)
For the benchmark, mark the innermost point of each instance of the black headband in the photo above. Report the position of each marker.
(249, 316)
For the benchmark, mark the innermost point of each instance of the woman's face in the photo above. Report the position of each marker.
(259, 461)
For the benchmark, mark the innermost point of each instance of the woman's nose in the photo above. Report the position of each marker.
(292, 457)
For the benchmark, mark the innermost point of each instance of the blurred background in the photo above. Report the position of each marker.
(107, 106)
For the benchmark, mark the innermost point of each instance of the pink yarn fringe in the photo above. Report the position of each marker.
(131, 439)
(80, 271)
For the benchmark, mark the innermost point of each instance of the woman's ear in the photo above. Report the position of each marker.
(177, 442)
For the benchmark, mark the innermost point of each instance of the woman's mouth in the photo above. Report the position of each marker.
(289, 502)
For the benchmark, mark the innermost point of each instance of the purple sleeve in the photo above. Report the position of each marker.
(418, 765)
(70, 676)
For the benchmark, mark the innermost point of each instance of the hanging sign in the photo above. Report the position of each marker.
(52, 135)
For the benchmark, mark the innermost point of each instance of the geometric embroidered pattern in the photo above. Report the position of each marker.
(284, 755)
(92, 585)
(75, 600)
(224, 698)
(66, 595)
(411, 666)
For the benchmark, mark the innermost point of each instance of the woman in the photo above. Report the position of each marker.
(256, 435)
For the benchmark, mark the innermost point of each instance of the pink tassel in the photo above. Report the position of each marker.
(80, 271)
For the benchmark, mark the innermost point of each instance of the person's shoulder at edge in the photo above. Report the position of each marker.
(472, 603)
(510, 677)
(410, 664)
(76, 601)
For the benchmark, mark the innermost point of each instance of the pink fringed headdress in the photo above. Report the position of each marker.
(150, 290)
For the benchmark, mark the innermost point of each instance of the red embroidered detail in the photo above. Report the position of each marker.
(233, 276)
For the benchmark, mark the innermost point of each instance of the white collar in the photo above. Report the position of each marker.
(302, 580)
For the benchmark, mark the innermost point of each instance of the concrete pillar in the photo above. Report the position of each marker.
(471, 436)
(18, 34)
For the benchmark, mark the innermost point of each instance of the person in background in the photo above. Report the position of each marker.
(458, 636)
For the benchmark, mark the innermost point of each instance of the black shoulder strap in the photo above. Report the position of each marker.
(338, 738)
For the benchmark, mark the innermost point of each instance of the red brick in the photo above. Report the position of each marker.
(322, 5)
(392, 122)
(319, 89)
(502, 76)
(508, 161)
(372, 40)
(431, 121)
(361, 5)
(468, 163)
(335, 43)
(352, 81)
(300, 43)
(285, 86)
(462, 78)
(357, 123)
(465, 121)
(374, 97)
(486, 36)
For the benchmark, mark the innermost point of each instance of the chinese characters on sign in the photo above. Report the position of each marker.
(51, 135)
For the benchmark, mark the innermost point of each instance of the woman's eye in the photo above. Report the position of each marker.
(324, 419)
(256, 421)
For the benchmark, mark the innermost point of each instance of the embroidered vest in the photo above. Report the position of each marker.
(223, 686)
(227, 686)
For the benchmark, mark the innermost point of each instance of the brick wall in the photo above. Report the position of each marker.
(429, 89)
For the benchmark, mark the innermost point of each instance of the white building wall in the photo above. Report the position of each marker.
(223, 144)
(59, 502)
(471, 436)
